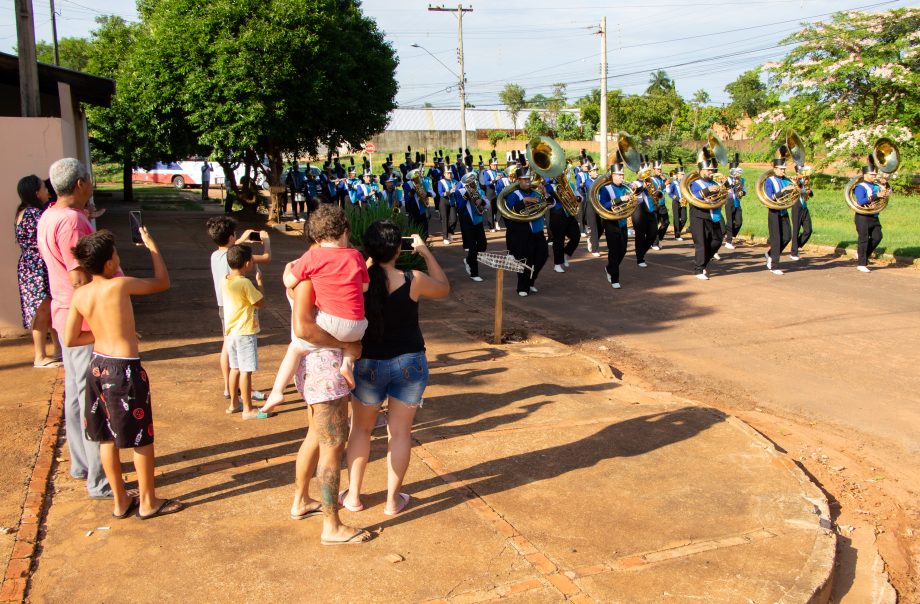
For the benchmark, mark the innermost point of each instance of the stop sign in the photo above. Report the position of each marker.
(370, 148)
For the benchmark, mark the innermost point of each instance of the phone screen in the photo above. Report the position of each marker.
(134, 219)
(407, 244)
(255, 236)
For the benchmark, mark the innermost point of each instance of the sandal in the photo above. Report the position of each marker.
(167, 506)
(360, 536)
(404, 503)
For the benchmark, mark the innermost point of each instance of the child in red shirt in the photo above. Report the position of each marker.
(339, 276)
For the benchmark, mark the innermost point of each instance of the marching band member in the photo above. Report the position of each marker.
(472, 227)
(447, 205)
(581, 175)
(801, 217)
(489, 178)
(407, 163)
(679, 210)
(525, 240)
(392, 194)
(664, 221)
(868, 227)
(434, 175)
(457, 170)
(352, 183)
(416, 209)
(564, 227)
(327, 182)
(736, 190)
(364, 192)
(644, 219)
(387, 169)
(780, 232)
(593, 225)
(705, 225)
(615, 231)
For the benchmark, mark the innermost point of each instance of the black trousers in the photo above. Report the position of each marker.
(448, 218)
(528, 247)
(664, 221)
(418, 219)
(495, 219)
(707, 238)
(566, 235)
(204, 190)
(594, 224)
(733, 221)
(474, 241)
(869, 232)
(645, 224)
(342, 198)
(617, 238)
(780, 233)
(680, 217)
(801, 227)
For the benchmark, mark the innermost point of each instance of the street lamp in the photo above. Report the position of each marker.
(462, 87)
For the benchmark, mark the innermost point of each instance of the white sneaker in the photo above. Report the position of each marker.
(776, 271)
(522, 294)
(466, 267)
(477, 278)
(792, 257)
(716, 257)
(534, 290)
(583, 234)
(679, 239)
(615, 285)
(550, 242)
(596, 254)
(446, 242)
(558, 268)
(609, 280)
(769, 261)
(493, 230)
(702, 277)
(642, 265)
(729, 245)
(656, 247)
(566, 259)
(863, 269)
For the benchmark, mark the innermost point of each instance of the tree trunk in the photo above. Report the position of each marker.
(229, 178)
(127, 172)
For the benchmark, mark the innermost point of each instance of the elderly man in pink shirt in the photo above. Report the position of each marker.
(59, 229)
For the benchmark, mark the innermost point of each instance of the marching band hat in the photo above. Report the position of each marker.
(780, 160)
(493, 160)
(680, 165)
(705, 160)
(870, 167)
(779, 163)
(352, 159)
(618, 165)
(659, 162)
(523, 173)
(735, 167)
(351, 170)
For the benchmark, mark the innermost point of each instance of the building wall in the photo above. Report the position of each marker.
(27, 146)
(420, 140)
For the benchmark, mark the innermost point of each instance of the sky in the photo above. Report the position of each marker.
(701, 44)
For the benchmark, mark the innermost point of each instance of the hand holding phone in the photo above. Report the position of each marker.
(136, 222)
(254, 236)
(407, 244)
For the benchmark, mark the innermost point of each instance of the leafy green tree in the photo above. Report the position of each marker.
(555, 104)
(659, 83)
(567, 127)
(538, 101)
(73, 53)
(847, 82)
(512, 97)
(496, 135)
(535, 126)
(589, 107)
(700, 98)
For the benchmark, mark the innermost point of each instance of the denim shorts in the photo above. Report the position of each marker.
(403, 378)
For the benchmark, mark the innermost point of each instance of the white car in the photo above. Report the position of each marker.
(183, 174)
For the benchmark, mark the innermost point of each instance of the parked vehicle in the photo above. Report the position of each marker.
(182, 174)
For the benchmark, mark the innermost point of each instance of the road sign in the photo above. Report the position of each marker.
(369, 148)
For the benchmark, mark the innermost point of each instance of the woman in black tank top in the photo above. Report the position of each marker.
(392, 366)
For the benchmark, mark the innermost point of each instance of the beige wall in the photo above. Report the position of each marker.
(27, 146)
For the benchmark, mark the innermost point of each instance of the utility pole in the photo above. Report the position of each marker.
(28, 67)
(57, 58)
(459, 10)
(603, 123)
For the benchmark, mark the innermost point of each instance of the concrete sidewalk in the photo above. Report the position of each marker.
(537, 477)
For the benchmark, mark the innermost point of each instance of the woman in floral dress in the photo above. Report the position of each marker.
(34, 291)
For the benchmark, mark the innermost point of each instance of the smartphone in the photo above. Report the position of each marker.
(408, 244)
(255, 236)
(134, 219)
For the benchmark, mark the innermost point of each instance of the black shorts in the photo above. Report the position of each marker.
(118, 402)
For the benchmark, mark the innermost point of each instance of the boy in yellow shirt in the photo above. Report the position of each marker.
(241, 326)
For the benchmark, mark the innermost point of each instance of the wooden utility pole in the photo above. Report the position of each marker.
(459, 10)
(28, 66)
(603, 124)
(57, 58)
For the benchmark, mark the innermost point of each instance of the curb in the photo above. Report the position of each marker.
(25, 548)
(839, 251)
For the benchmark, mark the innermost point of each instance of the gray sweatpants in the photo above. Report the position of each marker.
(84, 454)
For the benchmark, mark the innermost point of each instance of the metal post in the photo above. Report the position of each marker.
(462, 84)
(603, 107)
(28, 66)
(57, 57)
(499, 295)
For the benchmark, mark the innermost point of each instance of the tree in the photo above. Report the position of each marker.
(567, 127)
(538, 101)
(700, 98)
(589, 106)
(750, 96)
(659, 83)
(535, 126)
(73, 53)
(512, 97)
(555, 104)
(848, 81)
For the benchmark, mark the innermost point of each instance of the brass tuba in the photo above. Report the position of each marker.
(887, 157)
(627, 149)
(783, 201)
(711, 201)
(547, 158)
(420, 192)
(532, 210)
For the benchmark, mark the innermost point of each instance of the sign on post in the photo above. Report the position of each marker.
(370, 148)
(501, 262)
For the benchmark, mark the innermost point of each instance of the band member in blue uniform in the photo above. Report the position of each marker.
(705, 225)
(365, 193)
(565, 229)
(458, 169)
(471, 206)
(581, 175)
(644, 219)
(407, 162)
(448, 206)
(525, 240)
(387, 169)
(392, 193)
(416, 209)
(327, 183)
(352, 183)
(868, 226)
(593, 225)
(780, 232)
(661, 209)
(509, 176)
(677, 209)
(312, 189)
(615, 231)
(801, 217)
(736, 190)
(294, 185)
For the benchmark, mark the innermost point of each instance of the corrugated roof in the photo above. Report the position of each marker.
(449, 119)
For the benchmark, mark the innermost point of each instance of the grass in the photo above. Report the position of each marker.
(159, 197)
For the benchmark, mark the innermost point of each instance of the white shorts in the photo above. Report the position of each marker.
(345, 330)
(244, 353)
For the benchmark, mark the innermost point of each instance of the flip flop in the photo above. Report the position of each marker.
(350, 508)
(129, 492)
(307, 514)
(404, 500)
(49, 364)
(360, 536)
(129, 510)
(177, 506)
(232, 410)
(259, 415)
